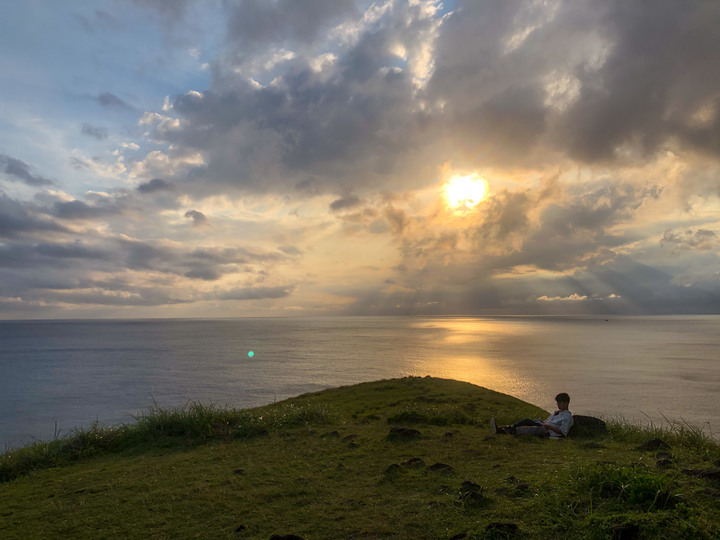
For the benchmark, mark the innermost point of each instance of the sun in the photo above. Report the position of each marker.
(465, 191)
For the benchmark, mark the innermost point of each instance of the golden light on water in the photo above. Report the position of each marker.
(465, 191)
(468, 346)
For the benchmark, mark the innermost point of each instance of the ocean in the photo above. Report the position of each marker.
(59, 375)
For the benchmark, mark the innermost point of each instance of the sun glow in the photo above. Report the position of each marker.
(465, 191)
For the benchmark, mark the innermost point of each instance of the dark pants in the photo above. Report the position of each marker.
(526, 426)
(526, 422)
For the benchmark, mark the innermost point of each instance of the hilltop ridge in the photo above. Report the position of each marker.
(403, 458)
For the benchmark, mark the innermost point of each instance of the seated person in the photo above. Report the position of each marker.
(557, 425)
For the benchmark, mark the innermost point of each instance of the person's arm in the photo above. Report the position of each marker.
(554, 429)
(563, 427)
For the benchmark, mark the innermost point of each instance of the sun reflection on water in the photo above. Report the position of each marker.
(473, 350)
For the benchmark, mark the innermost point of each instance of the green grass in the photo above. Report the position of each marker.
(322, 466)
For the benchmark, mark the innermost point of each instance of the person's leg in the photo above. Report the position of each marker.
(524, 422)
(538, 431)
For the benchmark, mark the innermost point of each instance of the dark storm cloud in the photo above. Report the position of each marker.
(255, 24)
(19, 171)
(257, 293)
(17, 217)
(204, 263)
(197, 217)
(55, 254)
(111, 101)
(351, 124)
(136, 273)
(689, 240)
(156, 184)
(493, 108)
(304, 124)
(345, 202)
(572, 231)
(513, 84)
(623, 286)
(134, 296)
(660, 72)
(626, 74)
(96, 132)
(206, 273)
(566, 233)
(237, 255)
(80, 210)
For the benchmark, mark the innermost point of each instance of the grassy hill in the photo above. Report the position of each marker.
(326, 465)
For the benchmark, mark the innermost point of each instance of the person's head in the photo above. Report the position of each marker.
(563, 401)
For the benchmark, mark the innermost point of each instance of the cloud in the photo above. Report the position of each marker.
(58, 254)
(698, 240)
(172, 10)
(345, 202)
(256, 24)
(80, 210)
(156, 184)
(18, 218)
(95, 132)
(596, 84)
(334, 126)
(111, 101)
(19, 171)
(257, 293)
(597, 128)
(572, 298)
(198, 218)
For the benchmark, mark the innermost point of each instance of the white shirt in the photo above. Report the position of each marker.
(561, 419)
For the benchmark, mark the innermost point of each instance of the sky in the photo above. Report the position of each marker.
(231, 158)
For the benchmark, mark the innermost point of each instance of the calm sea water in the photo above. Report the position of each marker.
(70, 373)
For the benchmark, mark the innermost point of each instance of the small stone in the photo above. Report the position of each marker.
(587, 426)
(473, 498)
(467, 485)
(394, 469)
(239, 471)
(519, 484)
(441, 467)
(414, 462)
(653, 444)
